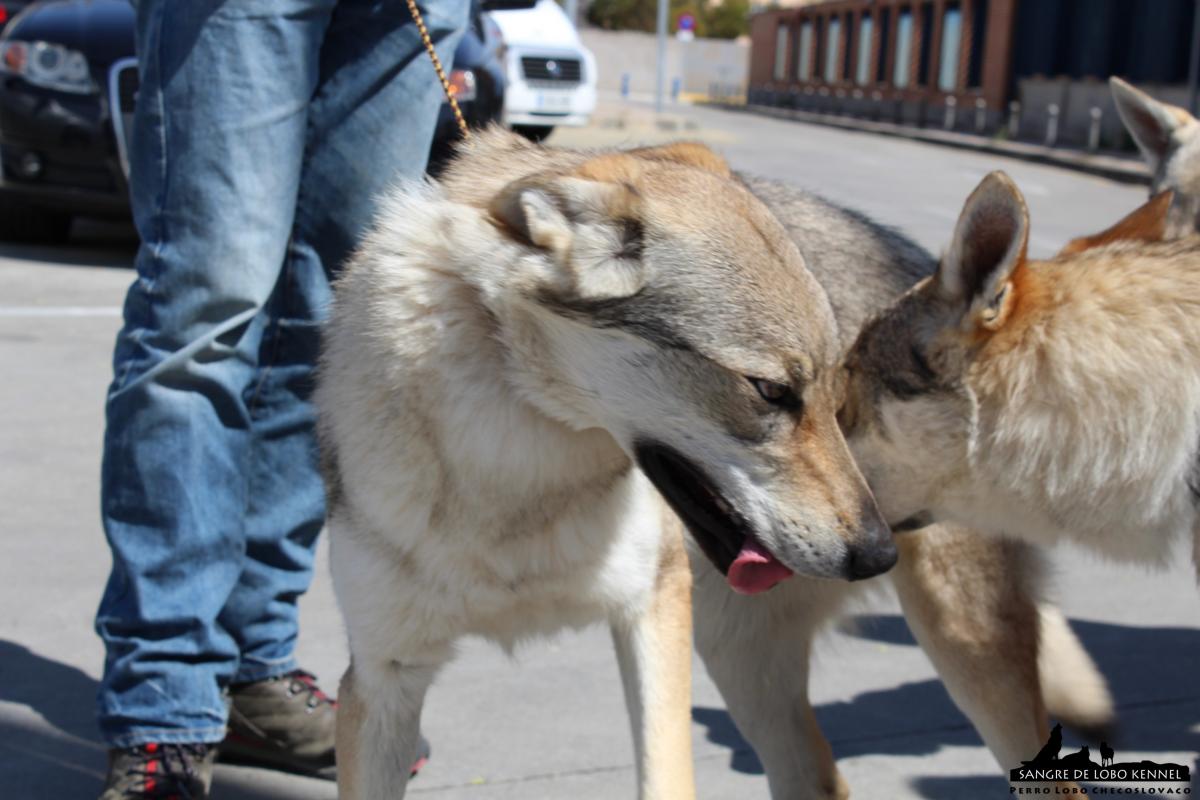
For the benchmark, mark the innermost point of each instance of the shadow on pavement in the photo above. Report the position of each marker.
(722, 732)
(864, 726)
(959, 786)
(65, 758)
(1151, 672)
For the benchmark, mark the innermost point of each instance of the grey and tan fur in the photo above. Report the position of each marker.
(1046, 399)
(502, 351)
(973, 603)
(478, 442)
(1169, 139)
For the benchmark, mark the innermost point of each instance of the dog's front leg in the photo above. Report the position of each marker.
(654, 650)
(378, 728)
(971, 604)
(756, 650)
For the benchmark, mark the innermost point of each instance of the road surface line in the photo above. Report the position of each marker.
(60, 311)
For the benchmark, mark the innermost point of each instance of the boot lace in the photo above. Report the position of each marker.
(301, 682)
(168, 771)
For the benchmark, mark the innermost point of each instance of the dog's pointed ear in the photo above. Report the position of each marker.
(1151, 122)
(990, 243)
(1147, 224)
(590, 230)
(692, 154)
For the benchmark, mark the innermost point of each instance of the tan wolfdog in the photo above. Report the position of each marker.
(522, 364)
(1040, 399)
(525, 362)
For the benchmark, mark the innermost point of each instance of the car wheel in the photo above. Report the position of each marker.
(534, 133)
(26, 224)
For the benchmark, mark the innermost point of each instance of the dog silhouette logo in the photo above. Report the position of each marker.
(1048, 767)
(1081, 759)
(1049, 752)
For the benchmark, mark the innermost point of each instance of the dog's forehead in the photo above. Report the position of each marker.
(741, 277)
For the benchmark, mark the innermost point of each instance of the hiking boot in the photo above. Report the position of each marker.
(160, 771)
(287, 723)
(284, 723)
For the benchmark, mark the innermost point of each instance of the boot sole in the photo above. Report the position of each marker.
(239, 750)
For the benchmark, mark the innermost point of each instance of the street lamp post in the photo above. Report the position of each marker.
(1194, 64)
(661, 76)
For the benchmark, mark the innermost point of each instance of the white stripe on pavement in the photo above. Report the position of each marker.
(60, 311)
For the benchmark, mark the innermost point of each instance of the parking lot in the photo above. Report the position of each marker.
(550, 722)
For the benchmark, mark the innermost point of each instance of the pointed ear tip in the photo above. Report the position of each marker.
(998, 185)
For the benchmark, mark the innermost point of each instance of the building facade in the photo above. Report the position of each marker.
(962, 63)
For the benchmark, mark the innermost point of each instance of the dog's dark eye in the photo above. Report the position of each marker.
(777, 394)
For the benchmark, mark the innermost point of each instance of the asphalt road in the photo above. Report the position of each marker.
(550, 722)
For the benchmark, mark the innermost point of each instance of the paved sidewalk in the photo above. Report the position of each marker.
(1127, 169)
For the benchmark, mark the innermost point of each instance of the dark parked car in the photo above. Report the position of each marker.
(9, 9)
(478, 81)
(68, 79)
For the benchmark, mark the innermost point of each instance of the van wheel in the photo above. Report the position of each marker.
(25, 224)
(534, 133)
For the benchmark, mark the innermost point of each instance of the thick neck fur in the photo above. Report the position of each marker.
(456, 344)
(1087, 401)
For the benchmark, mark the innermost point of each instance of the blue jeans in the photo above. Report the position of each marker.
(264, 132)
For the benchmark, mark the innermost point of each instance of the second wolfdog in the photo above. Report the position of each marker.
(1041, 398)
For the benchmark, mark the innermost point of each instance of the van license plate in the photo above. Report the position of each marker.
(554, 101)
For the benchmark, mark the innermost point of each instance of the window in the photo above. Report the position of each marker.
(951, 45)
(904, 42)
(781, 45)
(848, 47)
(926, 50)
(804, 63)
(885, 20)
(979, 22)
(832, 42)
(865, 30)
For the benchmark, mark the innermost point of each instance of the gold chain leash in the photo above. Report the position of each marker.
(437, 66)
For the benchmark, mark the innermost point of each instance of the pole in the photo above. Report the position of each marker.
(1194, 64)
(661, 77)
(572, 9)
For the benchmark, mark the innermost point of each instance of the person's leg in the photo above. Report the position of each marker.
(370, 125)
(218, 141)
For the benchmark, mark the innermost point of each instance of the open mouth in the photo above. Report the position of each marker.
(722, 533)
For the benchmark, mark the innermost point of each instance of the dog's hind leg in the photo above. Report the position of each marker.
(971, 604)
(756, 650)
(378, 728)
(654, 650)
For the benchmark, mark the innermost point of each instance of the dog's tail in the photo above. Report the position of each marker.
(1072, 687)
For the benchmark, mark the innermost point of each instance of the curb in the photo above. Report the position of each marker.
(1116, 168)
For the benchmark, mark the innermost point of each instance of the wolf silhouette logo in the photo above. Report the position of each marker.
(1079, 766)
(1049, 752)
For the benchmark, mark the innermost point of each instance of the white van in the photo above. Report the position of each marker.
(551, 75)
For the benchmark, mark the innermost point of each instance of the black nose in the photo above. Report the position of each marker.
(874, 551)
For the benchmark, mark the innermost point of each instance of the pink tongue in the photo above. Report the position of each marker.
(755, 570)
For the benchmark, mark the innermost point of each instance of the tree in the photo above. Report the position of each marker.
(722, 20)
(727, 20)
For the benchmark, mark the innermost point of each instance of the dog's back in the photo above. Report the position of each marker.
(861, 264)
